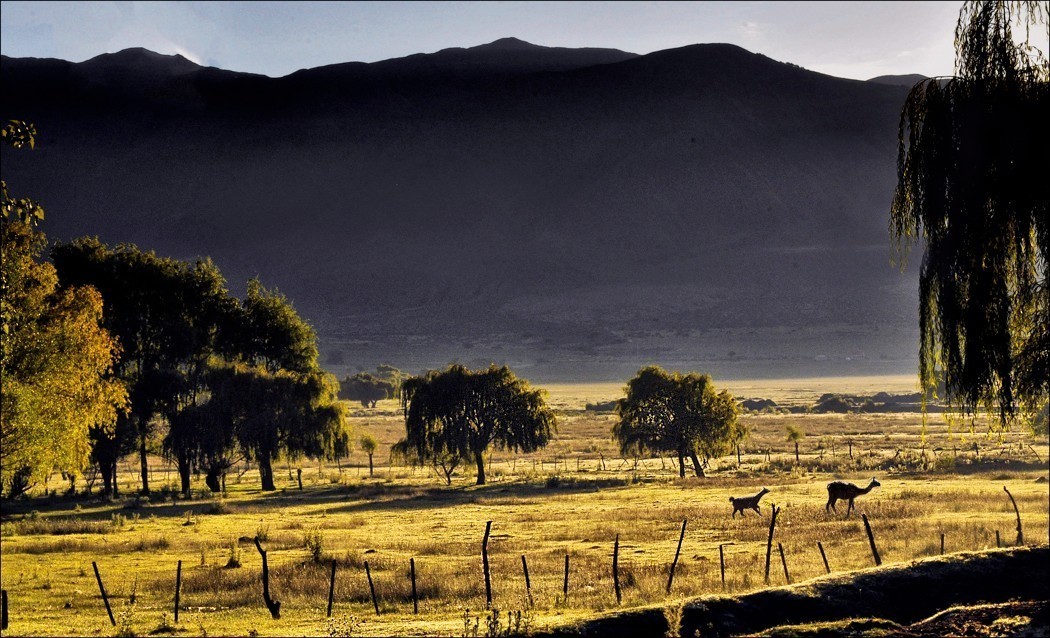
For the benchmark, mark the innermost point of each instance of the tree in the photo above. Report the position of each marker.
(165, 313)
(368, 445)
(972, 185)
(676, 413)
(794, 435)
(458, 413)
(367, 389)
(55, 357)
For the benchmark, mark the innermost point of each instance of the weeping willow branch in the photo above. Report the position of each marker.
(971, 187)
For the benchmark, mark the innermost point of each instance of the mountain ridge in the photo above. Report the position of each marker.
(577, 222)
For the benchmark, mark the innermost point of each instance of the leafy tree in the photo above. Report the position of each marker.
(367, 389)
(165, 313)
(369, 445)
(794, 435)
(972, 185)
(54, 355)
(458, 413)
(273, 334)
(676, 413)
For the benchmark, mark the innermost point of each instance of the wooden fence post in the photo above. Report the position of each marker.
(769, 542)
(722, 565)
(371, 588)
(3, 609)
(871, 540)
(565, 584)
(998, 540)
(670, 577)
(331, 589)
(178, 589)
(415, 599)
(942, 543)
(105, 598)
(1020, 536)
(616, 568)
(485, 564)
(824, 557)
(271, 604)
(528, 585)
(783, 561)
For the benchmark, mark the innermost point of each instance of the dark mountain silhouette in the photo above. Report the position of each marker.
(908, 80)
(575, 213)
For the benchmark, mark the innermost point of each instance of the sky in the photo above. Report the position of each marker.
(858, 40)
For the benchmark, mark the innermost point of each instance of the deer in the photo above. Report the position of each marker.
(740, 503)
(846, 491)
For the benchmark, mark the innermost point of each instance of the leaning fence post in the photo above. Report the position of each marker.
(871, 540)
(616, 568)
(371, 588)
(769, 542)
(331, 589)
(102, 589)
(670, 577)
(271, 604)
(485, 563)
(178, 588)
(528, 585)
(783, 561)
(1020, 536)
(722, 565)
(415, 599)
(824, 557)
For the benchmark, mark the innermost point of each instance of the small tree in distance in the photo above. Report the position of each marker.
(368, 446)
(794, 435)
(458, 413)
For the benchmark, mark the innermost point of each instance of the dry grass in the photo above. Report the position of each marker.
(557, 502)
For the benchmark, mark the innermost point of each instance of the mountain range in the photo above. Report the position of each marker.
(574, 213)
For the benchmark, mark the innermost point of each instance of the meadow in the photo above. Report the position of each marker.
(575, 498)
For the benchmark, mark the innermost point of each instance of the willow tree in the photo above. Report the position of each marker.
(972, 185)
(459, 413)
(681, 414)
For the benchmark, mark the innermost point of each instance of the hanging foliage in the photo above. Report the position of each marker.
(972, 186)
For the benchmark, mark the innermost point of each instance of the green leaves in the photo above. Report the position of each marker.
(675, 413)
(971, 185)
(457, 413)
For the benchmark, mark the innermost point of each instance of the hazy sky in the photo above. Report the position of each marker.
(848, 39)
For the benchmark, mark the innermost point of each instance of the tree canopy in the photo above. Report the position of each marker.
(55, 357)
(681, 414)
(456, 414)
(367, 389)
(972, 186)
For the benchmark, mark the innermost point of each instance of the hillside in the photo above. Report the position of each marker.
(575, 213)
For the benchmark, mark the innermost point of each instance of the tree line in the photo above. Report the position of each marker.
(108, 349)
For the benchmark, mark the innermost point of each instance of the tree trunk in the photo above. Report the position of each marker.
(480, 460)
(370, 471)
(109, 475)
(266, 473)
(143, 462)
(797, 462)
(681, 465)
(696, 465)
(211, 479)
(738, 462)
(184, 476)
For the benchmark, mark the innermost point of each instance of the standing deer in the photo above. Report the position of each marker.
(846, 491)
(741, 503)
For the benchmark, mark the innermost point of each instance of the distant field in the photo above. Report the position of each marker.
(784, 391)
(573, 498)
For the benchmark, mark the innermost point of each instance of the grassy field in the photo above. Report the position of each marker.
(573, 498)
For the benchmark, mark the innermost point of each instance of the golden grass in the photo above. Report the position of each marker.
(556, 502)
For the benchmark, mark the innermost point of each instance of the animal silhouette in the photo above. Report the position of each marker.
(740, 503)
(840, 490)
